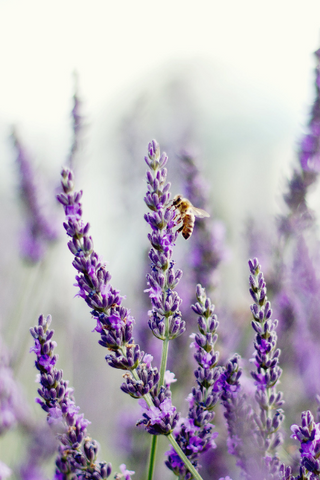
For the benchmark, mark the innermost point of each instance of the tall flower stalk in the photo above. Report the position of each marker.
(165, 317)
(77, 125)
(38, 231)
(254, 437)
(195, 433)
(300, 216)
(267, 372)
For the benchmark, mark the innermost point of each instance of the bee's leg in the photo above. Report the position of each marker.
(179, 219)
(180, 229)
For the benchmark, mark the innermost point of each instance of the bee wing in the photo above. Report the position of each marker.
(198, 212)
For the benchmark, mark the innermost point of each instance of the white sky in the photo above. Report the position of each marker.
(113, 44)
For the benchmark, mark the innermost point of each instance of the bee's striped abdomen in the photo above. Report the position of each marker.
(188, 225)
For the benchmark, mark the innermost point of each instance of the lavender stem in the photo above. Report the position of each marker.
(183, 457)
(164, 359)
(152, 457)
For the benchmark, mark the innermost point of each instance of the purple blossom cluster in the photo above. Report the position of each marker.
(162, 416)
(114, 322)
(266, 360)
(165, 317)
(309, 437)
(77, 457)
(195, 434)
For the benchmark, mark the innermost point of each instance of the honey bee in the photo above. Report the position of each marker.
(187, 213)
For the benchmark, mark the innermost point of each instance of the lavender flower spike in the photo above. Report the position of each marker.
(240, 420)
(195, 434)
(300, 215)
(77, 451)
(114, 322)
(309, 437)
(266, 360)
(77, 124)
(165, 317)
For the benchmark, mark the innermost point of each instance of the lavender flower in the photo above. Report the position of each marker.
(38, 231)
(267, 371)
(125, 474)
(41, 446)
(10, 395)
(77, 125)
(300, 216)
(240, 421)
(309, 437)
(114, 322)
(254, 438)
(195, 434)
(162, 417)
(77, 451)
(165, 317)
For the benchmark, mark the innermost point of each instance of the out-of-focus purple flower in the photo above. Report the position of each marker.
(77, 451)
(195, 434)
(169, 377)
(300, 216)
(240, 418)
(310, 146)
(208, 248)
(5, 471)
(41, 446)
(38, 231)
(77, 125)
(125, 474)
(10, 395)
(266, 361)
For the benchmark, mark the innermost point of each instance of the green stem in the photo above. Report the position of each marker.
(164, 358)
(163, 366)
(152, 456)
(183, 457)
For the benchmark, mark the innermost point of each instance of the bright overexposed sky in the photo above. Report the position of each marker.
(114, 44)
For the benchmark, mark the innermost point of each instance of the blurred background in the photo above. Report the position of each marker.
(232, 82)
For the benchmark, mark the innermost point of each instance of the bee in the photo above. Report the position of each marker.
(187, 213)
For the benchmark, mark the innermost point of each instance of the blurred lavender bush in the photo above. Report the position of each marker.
(226, 412)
